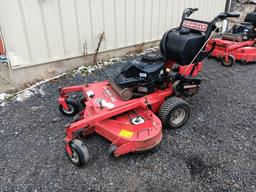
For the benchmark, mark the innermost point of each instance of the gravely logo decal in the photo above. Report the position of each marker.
(195, 25)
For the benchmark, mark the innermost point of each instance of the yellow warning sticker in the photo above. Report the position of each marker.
(125, 133)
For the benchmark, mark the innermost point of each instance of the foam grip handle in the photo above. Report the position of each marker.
(233, 14)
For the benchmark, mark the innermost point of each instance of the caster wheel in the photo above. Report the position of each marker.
(80, 154)
(111, 150)
(73, 107)
(82, 100)
(174, 112)
(230, 62)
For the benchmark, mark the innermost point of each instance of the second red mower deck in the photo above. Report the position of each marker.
(242, 51)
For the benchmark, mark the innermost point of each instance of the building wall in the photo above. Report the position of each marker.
(42, 31)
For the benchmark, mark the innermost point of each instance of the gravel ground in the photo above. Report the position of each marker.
(214, 151)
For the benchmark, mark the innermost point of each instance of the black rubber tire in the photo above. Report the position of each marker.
(231, 61)
(82, 100)
(73, 105)
(152, 57)
(77, 117)
(111, 150)
(80, 150)
(169, 107)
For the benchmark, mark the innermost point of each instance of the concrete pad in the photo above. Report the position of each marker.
(6, 87)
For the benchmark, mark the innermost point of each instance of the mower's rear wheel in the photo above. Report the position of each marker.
(73, 107)
(174, 112)
(80, 154)
(231, 61)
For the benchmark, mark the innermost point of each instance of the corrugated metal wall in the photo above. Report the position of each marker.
(40, 31)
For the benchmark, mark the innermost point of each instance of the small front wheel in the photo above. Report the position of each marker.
(111, 150)
(231, 61)
(80, 154)
(73, 107)
(174, 112)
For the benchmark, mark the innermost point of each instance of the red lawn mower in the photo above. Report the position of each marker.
(239, 43)
(130, 108)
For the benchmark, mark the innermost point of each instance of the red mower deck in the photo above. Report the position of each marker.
(106, 103)
(230, 51)
(237, 44)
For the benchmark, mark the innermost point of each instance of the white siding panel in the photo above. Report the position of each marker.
(110, 27)
(40, 31)
(14, 33)
(138, 20)
(162, 17)
(147, 20)
(35, 29)
(120, 22)
(52, 27)
(155, 20)
(130, 17)
(97, 21)
(69, 27)
(85, 26)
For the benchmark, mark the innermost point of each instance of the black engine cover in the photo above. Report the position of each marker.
(138, 70)
(181, 47)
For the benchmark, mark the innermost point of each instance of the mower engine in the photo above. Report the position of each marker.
(136, 78)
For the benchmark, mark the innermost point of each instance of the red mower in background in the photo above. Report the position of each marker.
(237, 44)
(130, 108)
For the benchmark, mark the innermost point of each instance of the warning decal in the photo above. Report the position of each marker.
(125, 133)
